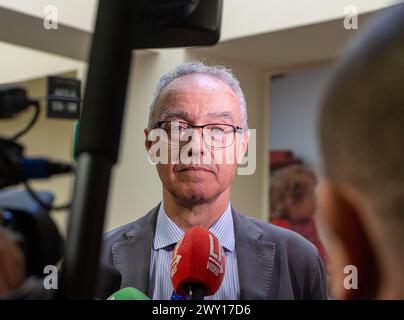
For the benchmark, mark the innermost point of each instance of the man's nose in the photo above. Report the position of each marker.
(197, 144)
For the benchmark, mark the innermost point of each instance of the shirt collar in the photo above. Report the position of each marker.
(168, 233)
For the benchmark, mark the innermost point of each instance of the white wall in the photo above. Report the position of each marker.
(294, 107)
(21, 64)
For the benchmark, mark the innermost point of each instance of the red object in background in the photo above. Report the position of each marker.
(282, 158)
(307, 229)
(281, 155)
(281, 223)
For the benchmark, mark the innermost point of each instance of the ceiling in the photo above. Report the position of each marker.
(79, 14)
(290, 47)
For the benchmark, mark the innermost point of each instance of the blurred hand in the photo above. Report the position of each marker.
(12, 263)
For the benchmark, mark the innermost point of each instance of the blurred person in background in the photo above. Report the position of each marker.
(294, 203)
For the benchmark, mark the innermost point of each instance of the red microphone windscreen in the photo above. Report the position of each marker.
(198, 258)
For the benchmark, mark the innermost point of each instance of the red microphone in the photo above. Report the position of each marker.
(197, 264)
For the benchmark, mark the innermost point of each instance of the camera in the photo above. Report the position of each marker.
(25, 213)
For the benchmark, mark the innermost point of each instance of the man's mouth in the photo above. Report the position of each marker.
(194, 168)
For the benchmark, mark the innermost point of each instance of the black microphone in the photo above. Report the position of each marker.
(15, 168)
(108, 281)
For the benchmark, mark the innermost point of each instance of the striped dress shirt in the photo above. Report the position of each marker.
(167, 234)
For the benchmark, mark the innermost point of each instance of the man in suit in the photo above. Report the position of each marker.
(362, 134)
(200, 114)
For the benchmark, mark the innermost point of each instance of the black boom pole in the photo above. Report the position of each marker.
(122, 25)
(99, 136)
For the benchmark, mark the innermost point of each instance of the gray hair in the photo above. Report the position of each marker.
(198, 67)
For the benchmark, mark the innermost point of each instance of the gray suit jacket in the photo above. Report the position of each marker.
(273, 263)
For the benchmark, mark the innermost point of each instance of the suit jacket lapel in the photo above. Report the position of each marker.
(255, 259)
(131, 256)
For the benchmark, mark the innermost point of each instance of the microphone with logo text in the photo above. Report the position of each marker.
(128, 294)
(197, 264)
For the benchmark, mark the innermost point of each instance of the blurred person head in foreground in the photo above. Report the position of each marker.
(361, 136)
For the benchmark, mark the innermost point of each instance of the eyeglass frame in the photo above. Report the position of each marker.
(193, 126)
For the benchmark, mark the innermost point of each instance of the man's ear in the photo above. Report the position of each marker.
(243, 145)
(355, 273)
(147, 143)
(247, 136)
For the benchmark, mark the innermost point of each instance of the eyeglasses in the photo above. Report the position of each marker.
(214, 135)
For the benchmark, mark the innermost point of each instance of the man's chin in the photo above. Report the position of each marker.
(190, 196)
